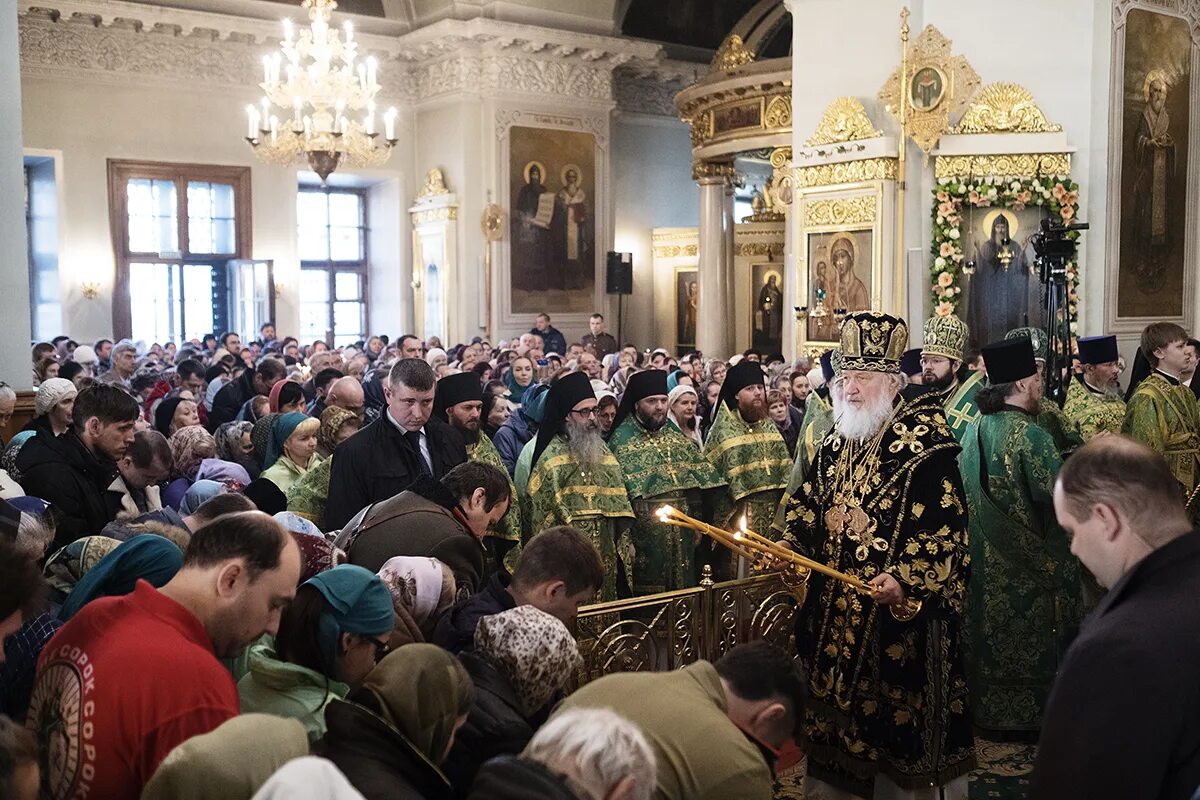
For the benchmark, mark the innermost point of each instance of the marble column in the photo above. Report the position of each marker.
(14, 257)
(714, 328)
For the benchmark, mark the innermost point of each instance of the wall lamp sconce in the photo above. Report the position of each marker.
(91, 290)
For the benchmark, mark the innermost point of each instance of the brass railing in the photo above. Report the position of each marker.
(670, 630)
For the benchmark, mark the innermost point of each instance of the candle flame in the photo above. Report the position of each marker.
(664, 512)
(742, 523)
(738, 536)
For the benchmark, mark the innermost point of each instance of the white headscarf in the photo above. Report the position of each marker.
(308, 778)
(672, 396)
(416, 583)
(52, 392)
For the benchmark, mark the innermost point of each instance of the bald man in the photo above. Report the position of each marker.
(346, 393)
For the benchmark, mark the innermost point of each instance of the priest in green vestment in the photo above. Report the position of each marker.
(458, 400)
(1024, 597)
(747, 449)
(1049, 415)
(661, 467)
(1161, 412)
(1094, 403)
(574, 479)
(887, 713)
(941, 369)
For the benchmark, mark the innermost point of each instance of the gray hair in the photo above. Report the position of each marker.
(34, 535)
(597, 748)
(7, 392)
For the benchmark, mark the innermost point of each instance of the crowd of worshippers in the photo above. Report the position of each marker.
(387, 545)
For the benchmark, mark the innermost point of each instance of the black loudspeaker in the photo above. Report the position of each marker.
(619, 275)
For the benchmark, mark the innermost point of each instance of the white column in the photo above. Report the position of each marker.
(14, 257)
(714, 328)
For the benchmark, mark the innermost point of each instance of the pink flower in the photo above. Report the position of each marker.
(973, 197)
(944, 309)
(944, 279)
(1058, 191)
(942, 197)
(1070, 198)
(1067, 212)
(946, 249)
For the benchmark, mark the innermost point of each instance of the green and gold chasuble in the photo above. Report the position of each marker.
(961, 412)
(1062, 430)
(754, 461)
(818, 422)
(664, 467)
(1024, 598)
(562, 493)
(1093, 412)
(886, 697)
(1164, 415)
(508, 529)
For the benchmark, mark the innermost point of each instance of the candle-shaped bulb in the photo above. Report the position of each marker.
(266, 69)
(389, 124)
(252, 122)
(266, 110)
(297, 106)
(349, 29)
(287, 31)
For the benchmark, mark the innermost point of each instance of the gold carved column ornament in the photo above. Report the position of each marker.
(929, 85)
(492, 225)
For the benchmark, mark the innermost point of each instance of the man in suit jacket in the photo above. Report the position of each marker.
(385, 457)
(1123, 720)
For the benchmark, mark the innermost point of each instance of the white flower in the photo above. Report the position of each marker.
(957, 289)
(1015, 185)
(943, 181)
(939, 262)
(992, 194)
(953, 233)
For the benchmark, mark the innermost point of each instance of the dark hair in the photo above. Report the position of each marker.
(560, 553)
(290, 393)
(1160, 334)
(297, 641)
(1127, 475)
(597, 315)
(225, 336)
(249, 535)
(149, 446)
(413, 373)
(271, 370)
(106, 403)
(463, 480)
(144, 379)
(22, 587)
(222, 504)
(203, 339)
(214, 372)
(990, 399)
(69, 369)
(761, 671)
(265, 325)
(189, 367)
(18, 747)
(326, 377)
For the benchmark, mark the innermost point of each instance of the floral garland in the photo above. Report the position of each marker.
(1059, 196)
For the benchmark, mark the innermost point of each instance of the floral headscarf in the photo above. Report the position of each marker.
(229, 441)
(333, 419)
(534, 650)
(421, 588)
(190, 446)
(316, 554)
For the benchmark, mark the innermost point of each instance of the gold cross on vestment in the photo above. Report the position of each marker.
(959, 417)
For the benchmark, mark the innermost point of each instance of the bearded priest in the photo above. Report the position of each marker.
(884, 502)
(941, 362)
(1094, 403)
(575, 480)
(747, 449)
(662, 467)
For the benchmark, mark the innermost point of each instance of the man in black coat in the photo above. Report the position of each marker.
(385, 457)
(1123, 719)
(233, 395)
(73, 471)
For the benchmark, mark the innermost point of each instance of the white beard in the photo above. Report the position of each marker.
(859, 423)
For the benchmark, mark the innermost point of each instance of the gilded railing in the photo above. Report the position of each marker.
(670, 630)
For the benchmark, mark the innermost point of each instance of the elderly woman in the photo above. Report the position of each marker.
(495, 412)
(522, 658)
(682, 402)
(291, 449)
(337, 425)
(330, 637)
(286, 396)
(174, 413)
(52, 407)
(234, 445)
(422, 588)
(189, 447)
(146, 557)
(389, 736)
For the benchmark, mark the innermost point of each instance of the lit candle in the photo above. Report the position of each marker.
(266, 110)
(389, 124)
(349, 29)
(287, 32)
(307, 127)
(252, 122)
(345, 125)
(266, 69)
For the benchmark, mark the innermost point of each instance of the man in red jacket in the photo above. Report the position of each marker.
(129, 678)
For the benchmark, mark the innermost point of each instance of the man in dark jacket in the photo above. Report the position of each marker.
(444, 519)
(1121, 722)
(233, 395)
(72, 472)
(552, 339)
(557, 571)
(382, 459)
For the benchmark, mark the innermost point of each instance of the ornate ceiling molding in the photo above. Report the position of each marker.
(1005, 108)
(845, 120)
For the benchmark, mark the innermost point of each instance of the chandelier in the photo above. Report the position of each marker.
(310, 90)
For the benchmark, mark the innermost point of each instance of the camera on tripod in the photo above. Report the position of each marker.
(1054, 249)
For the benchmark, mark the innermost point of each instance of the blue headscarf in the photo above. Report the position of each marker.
(533, 404)
(198, 494)
(359, 602)
(673, 379)
(283, 427)
(147, 557)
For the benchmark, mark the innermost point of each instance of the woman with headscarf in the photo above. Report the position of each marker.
(422, 588)
(53, 404)
(260, 436)
(66, 566)
(520, 376)
(522, 658)
(389, 736)
(189, 447)
(198, 494)
(230, 762)
(174, 413)
(682, 402)
(286, 396)
(147, 557)
(291, 449)
(337, 425)
(233, 444)
(230, 475)
(308, 778)
(495, 412)
(330, 637)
